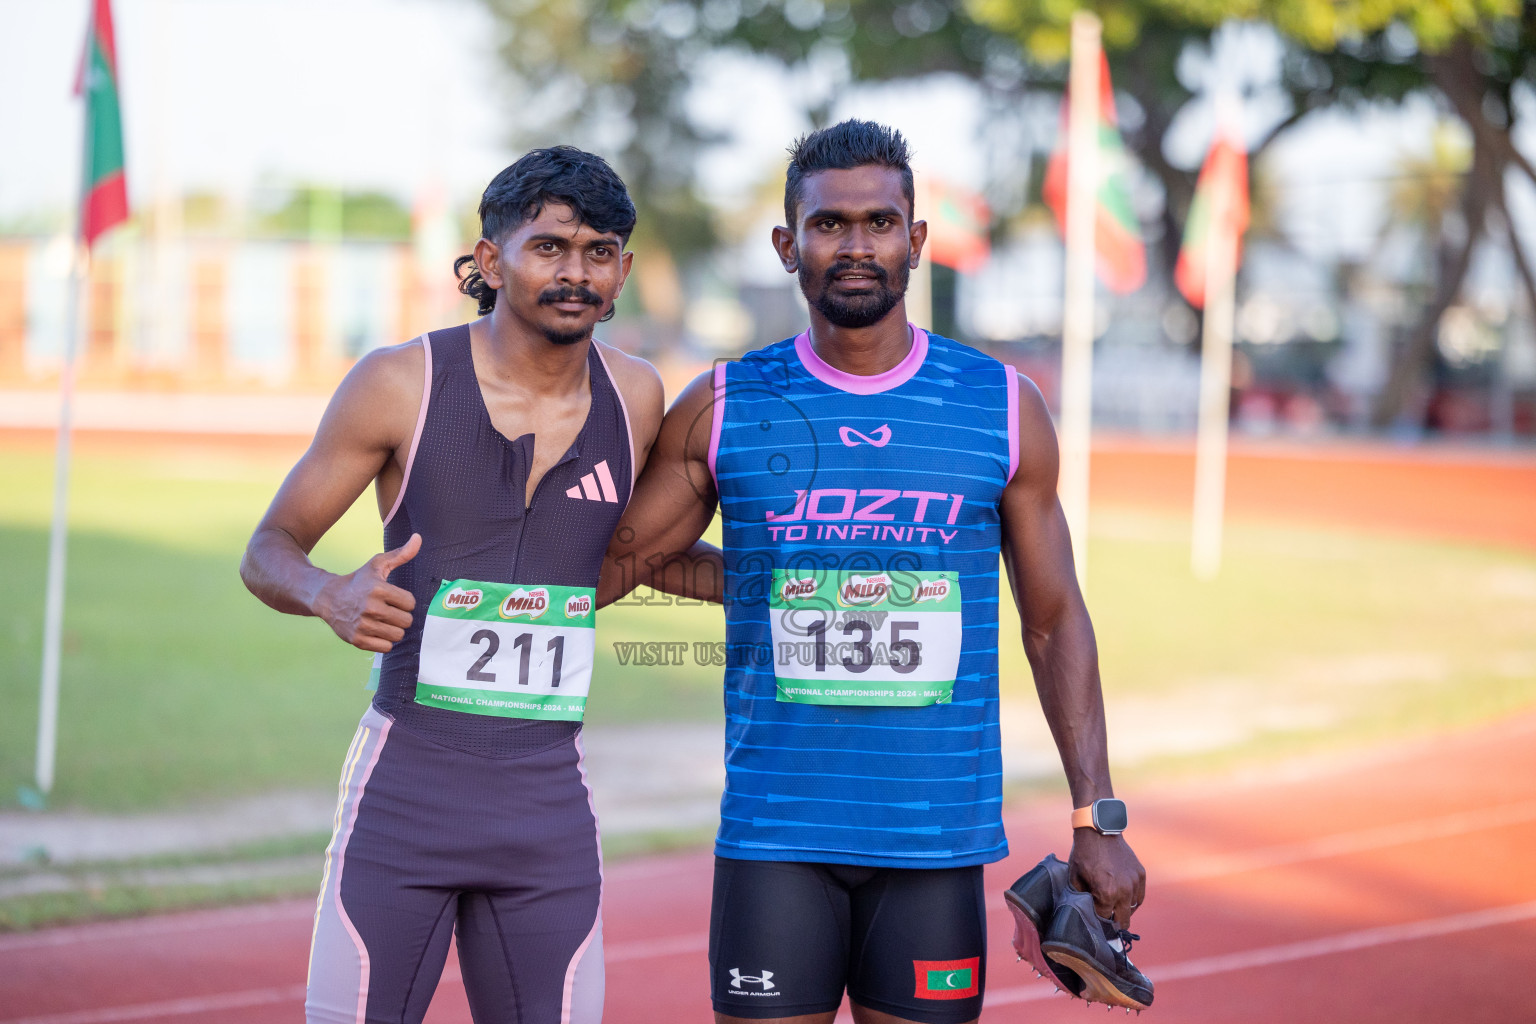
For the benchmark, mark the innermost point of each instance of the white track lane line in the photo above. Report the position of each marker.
(227, 917)
(1267, 956)
(174, 1007)
(1201, 967)
(618, 953)
(1378, 838)
(672, 946)
(1344, 843)
(1293, 853)
(1341, 844)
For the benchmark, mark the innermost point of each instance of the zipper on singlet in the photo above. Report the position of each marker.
(569, 456)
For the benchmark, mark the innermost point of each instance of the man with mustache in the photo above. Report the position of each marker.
(869, 475)
(502, 453)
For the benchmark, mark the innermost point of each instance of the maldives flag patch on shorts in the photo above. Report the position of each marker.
(947, 979)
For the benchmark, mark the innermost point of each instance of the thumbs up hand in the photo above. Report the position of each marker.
(363, 607)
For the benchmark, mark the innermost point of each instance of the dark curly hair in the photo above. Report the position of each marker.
(560, 174)
(852, 143)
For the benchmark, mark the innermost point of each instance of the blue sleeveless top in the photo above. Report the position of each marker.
(901, 472)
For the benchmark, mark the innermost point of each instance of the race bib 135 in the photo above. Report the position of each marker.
(871, 638)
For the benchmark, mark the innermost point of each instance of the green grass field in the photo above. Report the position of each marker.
(178, 685)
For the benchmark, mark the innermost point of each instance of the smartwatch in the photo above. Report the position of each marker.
(1106, 817)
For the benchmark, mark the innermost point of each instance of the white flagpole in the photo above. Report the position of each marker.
(53, 614)
(1077, 309)
(1215, 388)
(58, 535)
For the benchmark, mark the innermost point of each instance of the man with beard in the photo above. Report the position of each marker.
(868, 476)
(502, 453)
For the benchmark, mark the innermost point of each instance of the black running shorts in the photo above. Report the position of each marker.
(787, 938)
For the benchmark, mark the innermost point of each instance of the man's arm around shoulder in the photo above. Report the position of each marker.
(657, 542)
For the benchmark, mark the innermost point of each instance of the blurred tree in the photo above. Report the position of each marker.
(615, 72)
(321, 213)
(613, 75)
(1427, 187)
(1477, 73)
(1424, 198)
(374, 215)
(203, 213)
(1469, 51)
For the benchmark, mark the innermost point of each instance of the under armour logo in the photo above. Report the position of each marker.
(880, 440)
(737, 979)
(589, 486)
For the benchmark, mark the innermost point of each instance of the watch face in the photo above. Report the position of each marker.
(1109, 815)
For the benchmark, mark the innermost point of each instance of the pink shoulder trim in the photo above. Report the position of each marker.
(634, 468)
(717, 417)
(421, 419)
(1013, 420)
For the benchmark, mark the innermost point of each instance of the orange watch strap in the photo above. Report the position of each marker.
(1082, 817)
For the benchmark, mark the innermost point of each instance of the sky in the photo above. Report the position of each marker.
(228, 94)
(396, 95)
(405, 96)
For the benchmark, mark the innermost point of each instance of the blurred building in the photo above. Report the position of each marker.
(286, 298)
(201, 293)
(1314, 341)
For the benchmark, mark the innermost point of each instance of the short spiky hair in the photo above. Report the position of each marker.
(852, 143)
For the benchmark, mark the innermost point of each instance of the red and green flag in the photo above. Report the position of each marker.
(947, 979)
(104, 193)
(958, 225)
(1222, 191)
(1121, 257)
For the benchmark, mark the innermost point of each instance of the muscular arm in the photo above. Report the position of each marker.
(657, 542)
(368, 420)
(1058, 639)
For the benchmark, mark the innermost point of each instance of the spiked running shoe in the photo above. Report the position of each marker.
(1032, 901)
(1098, 952)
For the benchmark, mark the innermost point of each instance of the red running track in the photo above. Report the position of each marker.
(1469, 493)
(1395, 886)
(1484, 495)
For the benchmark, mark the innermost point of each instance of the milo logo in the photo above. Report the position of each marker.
(932, 590)
(797, 590)
(462, 599)
(578, 605)
(864, 591)
(531, 603)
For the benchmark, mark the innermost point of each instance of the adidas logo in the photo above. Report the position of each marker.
(590, 484)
